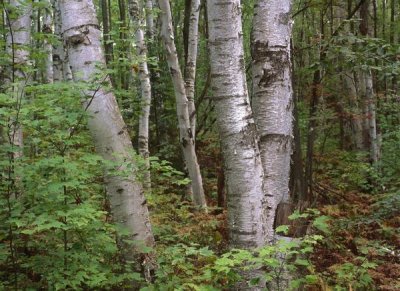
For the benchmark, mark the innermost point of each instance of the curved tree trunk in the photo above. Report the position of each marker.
(243, 169)
(273, 100)
(82, 37)
(186, 134)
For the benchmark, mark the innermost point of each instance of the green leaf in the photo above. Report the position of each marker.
(321, 223)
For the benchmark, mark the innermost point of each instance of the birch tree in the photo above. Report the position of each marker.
(47, 28)
(61, 67)
(82, 38)
(18, 40)
(149, 18)
(242, 164)
(190, 66)
(272, 100)
(185, 132)
(367, 93)
(136, 15)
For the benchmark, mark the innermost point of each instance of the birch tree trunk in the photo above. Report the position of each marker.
(58, 49)
(61, 67)
(190, 66)
(186, 134)
(273, 100)
(108, 45)
(149, 18)
(48, 47)
(242, 163)
(82, 37)
(135, 12)
(355, 116)
(18, 40)
(367, 93)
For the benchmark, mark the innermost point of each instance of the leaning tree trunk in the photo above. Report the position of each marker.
(18, 39)
(135, 11)
(186, 134)
(273, 102)
(242, 164)
(82, 37)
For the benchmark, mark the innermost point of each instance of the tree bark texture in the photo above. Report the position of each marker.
(108, 45)
(61, 67)
(135, 13)
(367, 92)
(47, 28)
(273, 99)
(243, 170)
(190, 66)
(149, 18)
(355, 114)
(82, 38)
(18, 41)
(186, 134)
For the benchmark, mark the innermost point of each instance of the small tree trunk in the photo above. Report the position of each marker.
(190, 67)
(135, 12)
(367, 93)
(355, 114)
(186, 134)
(61, 67)
(106, 31)
(82, 37)
(18, 39)
(149, 19)
(58, 49)
(47, 28)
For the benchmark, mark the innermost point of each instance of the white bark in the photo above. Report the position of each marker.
(58, 49)
(190, 67)
(135, 13)
(18, 41)
(48, 48)
(61, 67)
(368, 97)
(186, 135)
(272, 98)
(149, 18)
(82, 38)
(356, 119)
(242, 163)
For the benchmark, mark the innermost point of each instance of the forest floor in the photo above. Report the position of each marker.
(361, 251)
(365, 239)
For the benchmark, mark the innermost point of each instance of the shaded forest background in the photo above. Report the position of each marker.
(56, 229)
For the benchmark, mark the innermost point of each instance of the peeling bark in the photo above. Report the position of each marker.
(273, 99)
(242, 163)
